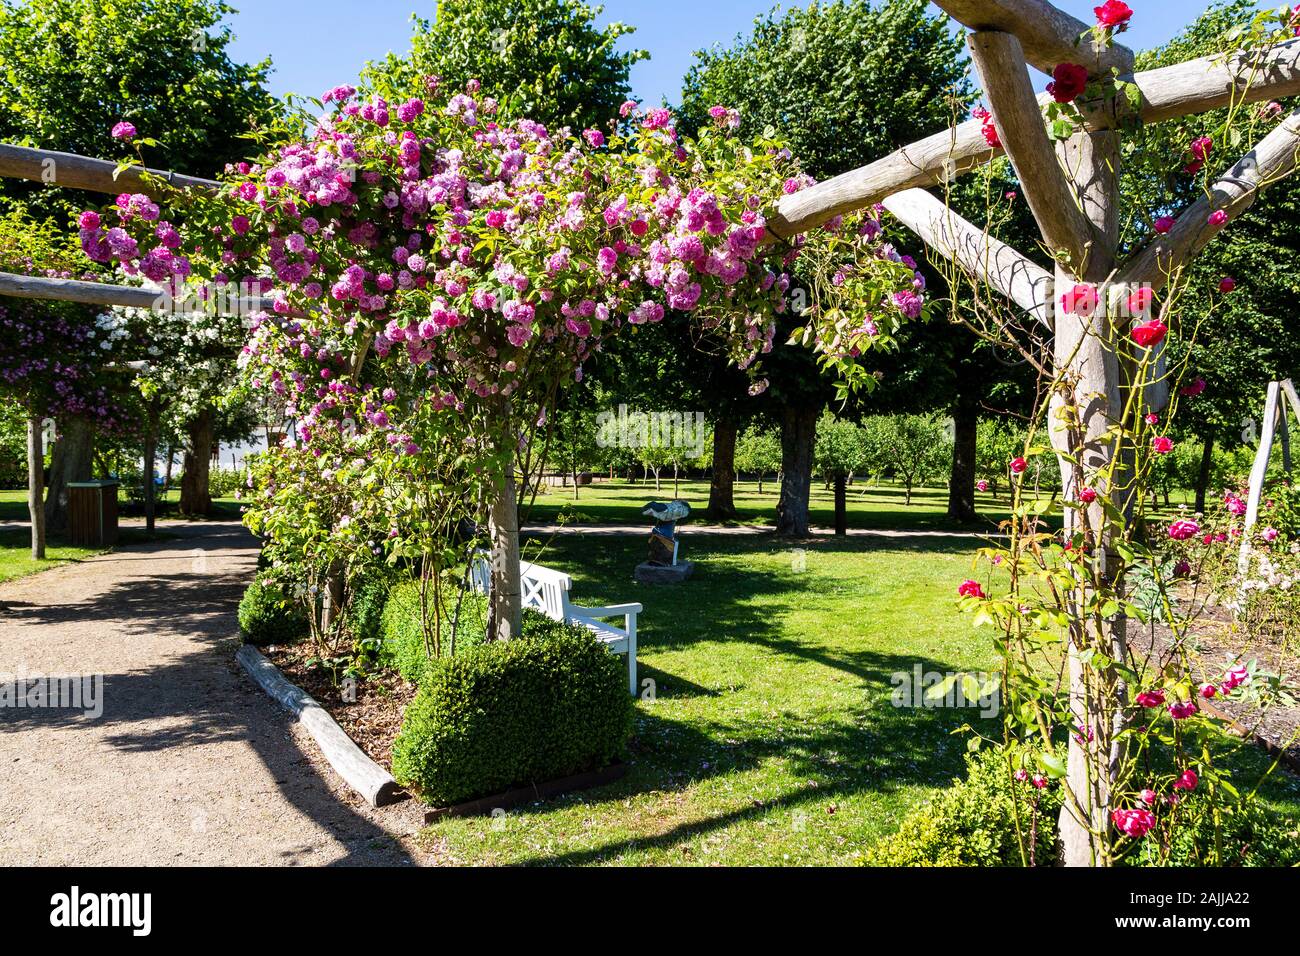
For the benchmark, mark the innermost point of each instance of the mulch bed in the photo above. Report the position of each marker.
(1214, 642)
(372, 720)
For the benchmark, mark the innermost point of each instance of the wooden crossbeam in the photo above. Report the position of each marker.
(1274, 157)
(1022, 281)
(1049, 36)
(103, 293)
(1001, 66)
(1193, 87)
(96, 175)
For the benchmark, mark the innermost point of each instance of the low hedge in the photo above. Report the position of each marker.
(507, 714)
(403, 636)
(266, 617)
(972, 823)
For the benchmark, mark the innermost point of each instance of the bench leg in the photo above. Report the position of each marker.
(631, 655)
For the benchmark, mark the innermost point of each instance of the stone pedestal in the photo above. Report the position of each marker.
(647, 573)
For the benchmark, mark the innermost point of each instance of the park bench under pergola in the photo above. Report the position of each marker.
(1072, 188)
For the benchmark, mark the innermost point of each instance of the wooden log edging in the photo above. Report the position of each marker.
(348, 760)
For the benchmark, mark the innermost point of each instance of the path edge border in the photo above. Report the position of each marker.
(349, 761)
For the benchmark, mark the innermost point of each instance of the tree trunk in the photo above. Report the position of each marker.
(195, 498)
(961, 484)
(798, 434)
(36, 485)
(1086, 355)
(1203, 475)
(722, 480)
(841, 505)
(505, 615)
(72, 460)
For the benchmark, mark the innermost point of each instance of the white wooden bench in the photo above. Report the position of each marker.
(547, 590)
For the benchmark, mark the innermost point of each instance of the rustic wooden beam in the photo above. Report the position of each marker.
(1168, 92)
(1208, 83)
(1025, 283)
(96, 175)
(1273, 157)
(923, 163)
(1049, 36)
(1001, 66)
(103, 293)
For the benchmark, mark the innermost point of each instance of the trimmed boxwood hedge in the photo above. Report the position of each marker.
(403, 637)
(266, 617)
(507, 714)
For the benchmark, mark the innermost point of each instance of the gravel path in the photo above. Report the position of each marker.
(190, 763)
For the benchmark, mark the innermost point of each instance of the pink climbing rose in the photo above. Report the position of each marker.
(1113, 14)
(1151, 698)
(1163, 224)
(124, 130)
(1227, 284)
(1018, 465)
(1134, 823)
(1080, 299)
(1162, 445)
(970, 589)
(1149, 334)
(1181, 710)
(1183, 529)
(1217, 218)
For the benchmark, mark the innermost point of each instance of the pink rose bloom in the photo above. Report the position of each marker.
(1088, 495)
(1208, 691)
(1217, 218)
(1147, 796)
(1235, 677)
(1080, 299)
(1163, 224)
(124, 131)
(1151, 698)
(1227, 284)
(1182, 709)
(1133, 823)
(982, 485)
(1021, 775)
(1039, 781)
(1183, 529)
(1018, 465)
(1269, 534)
(1162, 445)
(970, 589)
(1187, 780)
(1148, 334)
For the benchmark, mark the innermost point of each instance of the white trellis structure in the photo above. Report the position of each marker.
(1274, 429)
(1072, 190)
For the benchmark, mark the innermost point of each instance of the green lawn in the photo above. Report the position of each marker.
(772, 738)
(16, 555)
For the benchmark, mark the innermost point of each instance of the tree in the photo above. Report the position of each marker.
(914, 448)
(840, 81)
(171, 79)
(758, 452)
(840, 451)
(546, 60)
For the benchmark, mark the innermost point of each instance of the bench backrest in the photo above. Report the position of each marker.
(543, 589)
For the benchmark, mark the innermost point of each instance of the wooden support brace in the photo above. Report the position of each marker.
(1272, 158)
(1023, 282)
(103, 293)
(1049, 36)
(96, 175)
(1051, 198)
(1259, 470)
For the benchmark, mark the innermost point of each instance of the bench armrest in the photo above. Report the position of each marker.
(610, 610)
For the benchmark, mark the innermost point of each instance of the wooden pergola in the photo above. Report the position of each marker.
(1072, 190)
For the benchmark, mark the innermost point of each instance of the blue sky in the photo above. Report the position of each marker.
(316, 44)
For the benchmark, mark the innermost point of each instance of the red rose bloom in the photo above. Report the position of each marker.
(1068, 81)
(1112, 13)
(1018, 465)
(1149, 334)
(970, 589)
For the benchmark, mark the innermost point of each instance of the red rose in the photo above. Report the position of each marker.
(1139, 300)
(1149, 334)
(1068, 81)
(1080, 299)
(1162, 445)
(1112, 13)
(1088, 496)
(970, 589)
(1227, 284)
(1018, 465)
